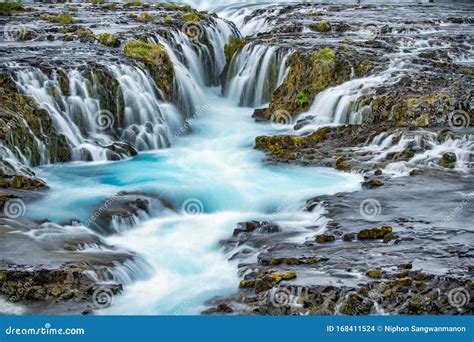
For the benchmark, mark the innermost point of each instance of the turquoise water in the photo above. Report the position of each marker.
(215, 166)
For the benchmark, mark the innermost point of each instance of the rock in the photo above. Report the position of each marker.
(277, 277)
(349, 237)
(324, 238)
(406, 266)
(374, 233)
(376, 274)
(448, 160)
(373, 183)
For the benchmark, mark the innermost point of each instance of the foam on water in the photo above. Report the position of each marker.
(215, 168)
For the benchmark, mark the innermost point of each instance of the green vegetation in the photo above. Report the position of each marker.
(157, 61)
(232, 47)
(302, 98)
(63, 19)
(322, 26)
(7, 8)
(168, 18)
(133, 4)
(108, 39)
(95, 2)
(191, 17)
(145, 17)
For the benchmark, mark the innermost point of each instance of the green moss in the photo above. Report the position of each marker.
(322, 26)
(282, 146)
(365, 67)
(234, 44)
(3, 277)
(7, 8)
(168, 18)
(191, 17)
(64, 19)
(108, 39)
(85, 33)
(96, 2)
(313, 14)
(68, 37)
(309, 74)
(133, 4)
(156, 59)
(145, 17)
(247, 284)
(325, 238)
(374, 233)
(375, 274)
(468, 71)
(302, 98)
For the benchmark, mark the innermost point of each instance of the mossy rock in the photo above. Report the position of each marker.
(63, 19)
(145, 17)
(133, 4)
(16, 110)
(233, 45)
(109, 40)
(375, 274)
(247, 284)
(192, 17)
(374, 233)
(277, 277)
(308, 75)
(8, 8)
(325, 238)
(322, 26)
(283, 145)
(157, 60)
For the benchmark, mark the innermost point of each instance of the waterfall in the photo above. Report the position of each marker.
(91, 129)
(335, 105)
(254, 74)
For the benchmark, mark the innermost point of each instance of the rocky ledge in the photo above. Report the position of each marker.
(376, 252)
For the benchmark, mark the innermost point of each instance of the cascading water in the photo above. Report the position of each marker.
(254, 73)
(90, 129)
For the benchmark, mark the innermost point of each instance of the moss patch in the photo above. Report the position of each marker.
(63, 19)
(157, 60)
(7, 8)
(108, 39)
(233, 45)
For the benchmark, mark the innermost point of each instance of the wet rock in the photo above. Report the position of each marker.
(448, 160)
(325, 238)
(374, 233)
